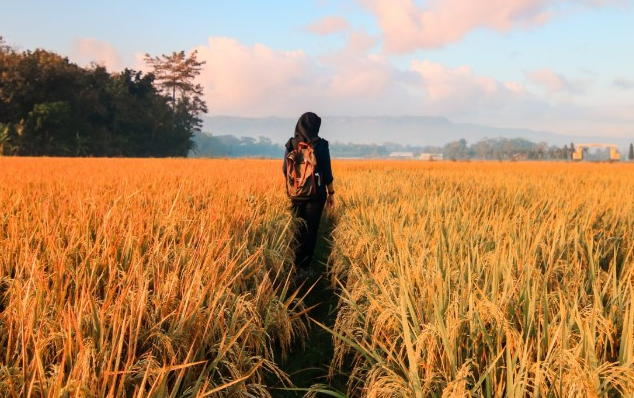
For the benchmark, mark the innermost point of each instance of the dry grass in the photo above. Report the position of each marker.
(486, 279)
(143, 278)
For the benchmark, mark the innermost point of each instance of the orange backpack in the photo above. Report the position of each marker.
(301, 179)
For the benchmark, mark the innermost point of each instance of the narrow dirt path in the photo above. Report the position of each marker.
(308, 365)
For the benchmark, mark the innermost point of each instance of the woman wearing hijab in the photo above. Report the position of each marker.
(309, 210)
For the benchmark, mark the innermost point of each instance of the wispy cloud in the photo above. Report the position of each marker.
(408, 26)
(458, 91)
(622, 83)
(354, 74)
(89, 50)
(360, 42)
(555, 83)
(328, 25)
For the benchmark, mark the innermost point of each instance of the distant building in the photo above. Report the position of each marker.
(402, 155)
(431, 156)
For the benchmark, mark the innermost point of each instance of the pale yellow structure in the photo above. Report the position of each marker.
(578, 153)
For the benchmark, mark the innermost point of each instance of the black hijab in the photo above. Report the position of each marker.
(306, 130)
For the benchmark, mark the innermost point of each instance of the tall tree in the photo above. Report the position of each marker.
(175, 75)
(4, 47)
(456, 149)
(630, 155)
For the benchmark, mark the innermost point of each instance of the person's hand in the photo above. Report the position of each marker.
(331, 201)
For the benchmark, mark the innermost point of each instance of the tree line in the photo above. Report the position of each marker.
(510, 149)
(53, 107)
(519, 149)
(207, 145)
(507, 149)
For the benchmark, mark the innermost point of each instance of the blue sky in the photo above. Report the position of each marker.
(553, 65)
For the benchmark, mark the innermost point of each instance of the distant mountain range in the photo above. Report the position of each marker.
(412, 130)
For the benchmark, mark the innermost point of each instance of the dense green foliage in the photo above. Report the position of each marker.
(53, 107)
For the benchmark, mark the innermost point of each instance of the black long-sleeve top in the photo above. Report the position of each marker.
(324, 168)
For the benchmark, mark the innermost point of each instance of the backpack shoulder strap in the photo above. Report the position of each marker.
(314, 142)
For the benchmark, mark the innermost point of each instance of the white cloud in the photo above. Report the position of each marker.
(256, 80)
(260, 81)
(88, 50)
(458, 91)
(555, 83)
(357, 75)
(328, 25)
(408, 26)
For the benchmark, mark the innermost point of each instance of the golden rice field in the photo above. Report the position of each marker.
(142, 278)
(170, 278)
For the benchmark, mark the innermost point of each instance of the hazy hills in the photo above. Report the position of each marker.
(412, 130)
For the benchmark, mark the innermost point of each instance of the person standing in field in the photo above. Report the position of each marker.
(306, 151)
